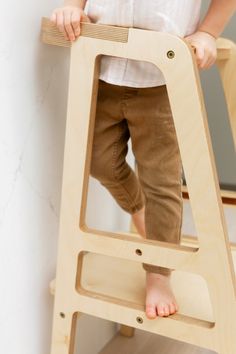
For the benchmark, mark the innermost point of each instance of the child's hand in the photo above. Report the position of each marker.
(205, 48)
(67, 19)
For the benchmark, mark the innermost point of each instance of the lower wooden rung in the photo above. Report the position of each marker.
(120, 280)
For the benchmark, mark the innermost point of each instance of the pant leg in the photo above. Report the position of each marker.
(156, 150)
(108, 163)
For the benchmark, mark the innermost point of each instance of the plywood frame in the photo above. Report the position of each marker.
(212, 259)
(226, 66)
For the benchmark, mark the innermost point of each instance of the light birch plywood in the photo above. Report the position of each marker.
(145, 342)
(228, 197)
(210, 260)
(111, 278)
(228, 76)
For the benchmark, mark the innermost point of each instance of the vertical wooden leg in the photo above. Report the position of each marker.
(63, 336)
(127, 331)
(227, 345)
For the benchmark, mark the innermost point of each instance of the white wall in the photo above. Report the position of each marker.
(33, 90)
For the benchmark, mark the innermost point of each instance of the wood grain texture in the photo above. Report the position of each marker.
(51, 35)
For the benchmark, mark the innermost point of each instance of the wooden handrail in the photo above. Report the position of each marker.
(51, 35)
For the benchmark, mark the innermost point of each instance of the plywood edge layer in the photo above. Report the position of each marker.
(224, 47)
(128, 304)
(51, 35)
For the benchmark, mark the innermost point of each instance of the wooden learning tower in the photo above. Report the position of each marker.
(100, 273)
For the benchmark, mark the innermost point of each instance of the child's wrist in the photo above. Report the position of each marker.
(211, 33)
(74, 3)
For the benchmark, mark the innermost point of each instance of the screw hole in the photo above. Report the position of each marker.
(139, 319)
(138, 252)
(62, 315)
(171, 54)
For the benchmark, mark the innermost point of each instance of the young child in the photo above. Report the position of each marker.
(133, 102)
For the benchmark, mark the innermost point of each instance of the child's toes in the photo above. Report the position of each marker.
(151, 311)
(176, 307)
(166, 310)
(172, 309)
(162, 310)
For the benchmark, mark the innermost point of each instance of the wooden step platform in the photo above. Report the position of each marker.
(122, 281)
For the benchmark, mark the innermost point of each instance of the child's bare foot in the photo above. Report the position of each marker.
(160, 300)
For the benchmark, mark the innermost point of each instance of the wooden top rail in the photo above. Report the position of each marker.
(51, 35)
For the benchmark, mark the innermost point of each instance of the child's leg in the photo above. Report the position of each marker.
(138, 219)
(111, 135)
(154, 148)
(158, 159)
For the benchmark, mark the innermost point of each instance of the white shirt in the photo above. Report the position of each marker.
(179, 17)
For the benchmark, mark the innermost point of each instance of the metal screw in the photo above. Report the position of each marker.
(139, 319)
(138, 252)
(171, 54)
(62, 315)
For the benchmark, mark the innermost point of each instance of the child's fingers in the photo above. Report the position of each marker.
(200, 55)
(203, 64)
(213, 57)
(53, 18)
(67, 19)
(211, 60)
(204, 48)
(193, 48)
(60, 22)
(205, 60)
(68, 27)
(75, 21)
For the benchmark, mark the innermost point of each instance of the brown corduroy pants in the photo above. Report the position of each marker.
(144, 115)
